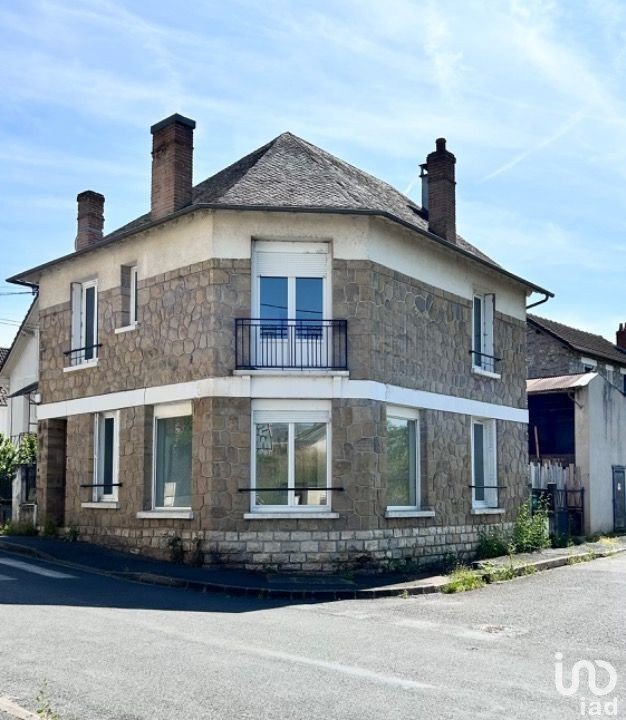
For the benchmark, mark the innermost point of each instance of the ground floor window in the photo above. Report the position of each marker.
(106, 454)
(484, 470)
(290, 456)
(403, 460)
(172, 457)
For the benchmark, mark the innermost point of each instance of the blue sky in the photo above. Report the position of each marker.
(531, 96)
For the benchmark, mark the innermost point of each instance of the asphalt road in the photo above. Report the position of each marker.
(110, 649)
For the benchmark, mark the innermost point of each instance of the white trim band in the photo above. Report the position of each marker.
(279, 387)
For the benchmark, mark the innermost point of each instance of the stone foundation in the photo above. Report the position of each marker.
(306, 551)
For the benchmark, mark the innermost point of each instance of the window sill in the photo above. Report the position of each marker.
(81, 366)
(487, 511)
(294, 372)
(409, 513)
(165, 515)
(126, 328)
(101, 505)
(486, 373)
(291, 516)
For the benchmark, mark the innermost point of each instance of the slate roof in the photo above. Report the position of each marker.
(579, 340)
(290, 172)
(3, 355)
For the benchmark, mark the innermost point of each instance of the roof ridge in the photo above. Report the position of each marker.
(540, 319)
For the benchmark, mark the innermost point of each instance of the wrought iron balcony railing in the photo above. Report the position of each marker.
(284, 344)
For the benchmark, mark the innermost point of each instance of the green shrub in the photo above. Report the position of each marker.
(50, 528)
(492, 543)
(561, 540)
(462, 580)
(530, 532)
(18, 528)
(176, 549)
(72, 533)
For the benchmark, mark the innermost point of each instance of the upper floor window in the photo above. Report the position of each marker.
(403, 471)
(483, 314)
(84, 333)
(128, 284)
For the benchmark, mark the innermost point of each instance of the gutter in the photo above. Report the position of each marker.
(17, 279)
(548, 295)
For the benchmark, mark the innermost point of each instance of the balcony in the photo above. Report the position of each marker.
(284, 344)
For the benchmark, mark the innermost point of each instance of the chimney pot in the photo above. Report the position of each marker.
(620, 336)
(172, 165)
(441, 191)
(90, 219)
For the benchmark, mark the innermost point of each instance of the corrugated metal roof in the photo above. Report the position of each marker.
(561, 382)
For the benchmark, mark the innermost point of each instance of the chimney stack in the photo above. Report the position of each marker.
(620, 336)
(172, 165)
(438, 191)
(90, 219)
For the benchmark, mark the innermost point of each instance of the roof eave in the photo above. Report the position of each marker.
(23, 278)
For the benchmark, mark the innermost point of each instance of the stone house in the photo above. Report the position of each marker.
(577, 438)
(290, 364)
(19, 373)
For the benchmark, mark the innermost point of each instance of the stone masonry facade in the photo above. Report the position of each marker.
(360, 537)
(400, 331)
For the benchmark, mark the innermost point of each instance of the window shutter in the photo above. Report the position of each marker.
(491, 470)
(75, 312)
(96, 449)
(490, 314)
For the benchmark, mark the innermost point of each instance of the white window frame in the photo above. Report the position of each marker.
(490, 464)
(172, 410)
(288, 254)
(132, 311)
(98, 493)
(78, 324)
(403, 413)
(291, 412)
(481, 362)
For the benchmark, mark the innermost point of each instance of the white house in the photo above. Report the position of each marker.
(19, 376)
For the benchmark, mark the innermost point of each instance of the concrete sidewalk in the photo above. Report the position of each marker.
(87, 556)
(95, 558)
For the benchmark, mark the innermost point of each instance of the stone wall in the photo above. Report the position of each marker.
(360, 535)
(548, 357)
(51, 465)
(185, 332)
(404, 332)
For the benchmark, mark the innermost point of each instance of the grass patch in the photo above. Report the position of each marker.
(580, 558)
(462, 580)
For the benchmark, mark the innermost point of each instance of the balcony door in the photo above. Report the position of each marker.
(291, 302)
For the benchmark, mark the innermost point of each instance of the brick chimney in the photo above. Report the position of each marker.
(90, 219)
(620, 336)
(172, 165)
(438, 191)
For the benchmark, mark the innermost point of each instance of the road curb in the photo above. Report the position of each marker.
(262, 591)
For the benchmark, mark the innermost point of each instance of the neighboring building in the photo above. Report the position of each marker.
(577, 407)
(557, 349)
(291, 363)
(4, 410)
(19, 375)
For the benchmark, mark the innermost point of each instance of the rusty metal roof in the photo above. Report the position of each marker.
(560, 382)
